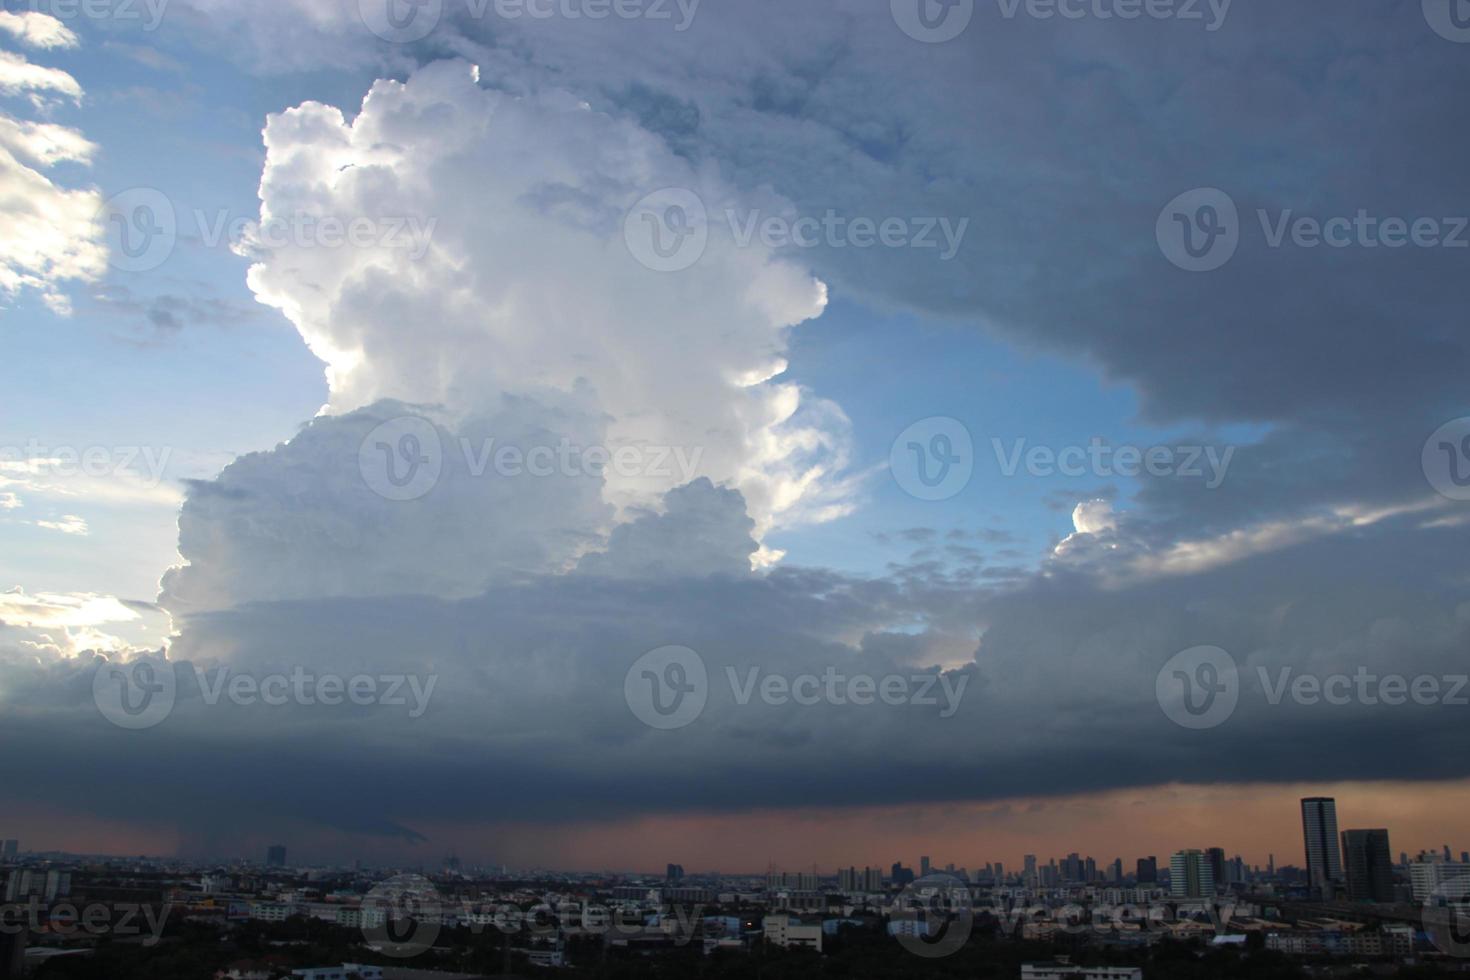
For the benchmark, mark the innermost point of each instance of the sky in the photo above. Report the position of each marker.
(613, 397)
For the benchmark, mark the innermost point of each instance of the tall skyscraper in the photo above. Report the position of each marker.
(1148, 870)
(1369, 865)
(1319, 831)
(1072, 868)
(924, 866)
(1190, 875)
(674, 872)
(9, 849)
(275, 856)
(1216, 857)
(1028, 870)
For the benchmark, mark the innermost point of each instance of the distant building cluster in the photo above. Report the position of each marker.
(1350, 900)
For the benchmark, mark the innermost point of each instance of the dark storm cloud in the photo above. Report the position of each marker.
(528, 719)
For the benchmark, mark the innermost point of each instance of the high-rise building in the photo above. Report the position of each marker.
(674, 872)
(1216, 857)
(1369, 865)
(872, 880)
(900, 875)
(924, 866)
(1319, 831)
(1190, 876)
(275, 856)
(1028, 871)
(9, 849)
(1072, 868)
(1148, 870)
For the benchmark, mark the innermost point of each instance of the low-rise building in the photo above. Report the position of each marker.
(347, 971)
(1069, 971)
(790, 932)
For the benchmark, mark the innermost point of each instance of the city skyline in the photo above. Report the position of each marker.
(1279, 816)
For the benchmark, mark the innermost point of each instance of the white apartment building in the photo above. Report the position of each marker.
(788, 932)
(1066, 971)
(271, 911)
(1427, 877)
(347, 971)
